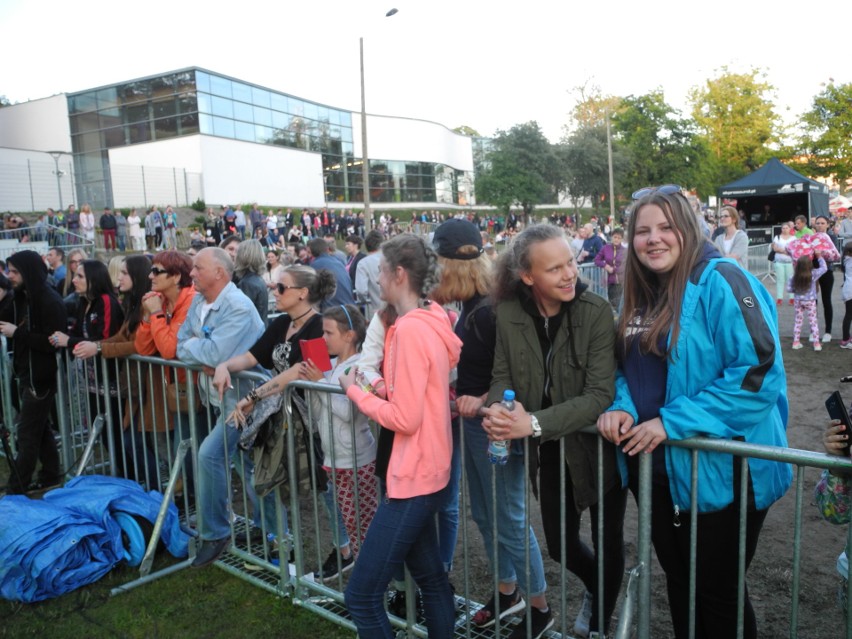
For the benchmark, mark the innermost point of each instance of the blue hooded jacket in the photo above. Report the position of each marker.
(725, 380)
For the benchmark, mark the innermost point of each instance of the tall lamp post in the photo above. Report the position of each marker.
(55, 155)
(365, 170)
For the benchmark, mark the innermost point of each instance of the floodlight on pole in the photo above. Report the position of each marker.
(365, 169)
(55, 155)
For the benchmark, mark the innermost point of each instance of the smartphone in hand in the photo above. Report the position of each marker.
(837, 410)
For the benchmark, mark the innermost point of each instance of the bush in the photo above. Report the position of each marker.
(198, 205)
(199, 219)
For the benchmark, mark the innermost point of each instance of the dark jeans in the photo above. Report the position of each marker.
(579, 558)
(402, 531)
(826, 284)
(716, 559)
(35, 441)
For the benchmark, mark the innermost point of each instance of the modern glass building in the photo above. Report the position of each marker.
(196, 102)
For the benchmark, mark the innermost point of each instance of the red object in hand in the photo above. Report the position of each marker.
(316, 350)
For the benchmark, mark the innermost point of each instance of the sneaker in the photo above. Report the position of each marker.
(791, 301)
(780, 302)
(584, 617)
(814, 337)
(210, 551)
(846, 343)
(397, 604)
(797, 346)
(541, 622)
(253, 536)
(509, 604)
(330, 567)
(817, 346)
(826, 338)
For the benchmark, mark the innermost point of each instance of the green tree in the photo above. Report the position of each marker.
(518, 170)
(735, 117)
(827, 140)
(662, 146)
(466, 130)
(4, 101)
(587, 165)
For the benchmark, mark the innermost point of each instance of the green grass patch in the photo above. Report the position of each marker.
(208, 603)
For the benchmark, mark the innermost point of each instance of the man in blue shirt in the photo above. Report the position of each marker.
(221, 323)
(322, 260)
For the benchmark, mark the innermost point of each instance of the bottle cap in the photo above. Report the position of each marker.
(508, 395)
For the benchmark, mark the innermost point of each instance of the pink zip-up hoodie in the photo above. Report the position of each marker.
(420, 351)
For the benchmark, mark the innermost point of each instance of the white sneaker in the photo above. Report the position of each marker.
(826, 338)
(584, 617)
(817, 346)
(814, 338)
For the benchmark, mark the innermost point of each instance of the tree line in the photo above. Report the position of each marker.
(732, 129)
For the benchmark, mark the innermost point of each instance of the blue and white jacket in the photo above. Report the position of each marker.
(725, 380)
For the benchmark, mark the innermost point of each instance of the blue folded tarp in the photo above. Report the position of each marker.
(70, 538)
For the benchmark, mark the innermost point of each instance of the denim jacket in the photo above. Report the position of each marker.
(231, 327)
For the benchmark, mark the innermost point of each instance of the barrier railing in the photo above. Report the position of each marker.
(261, 541)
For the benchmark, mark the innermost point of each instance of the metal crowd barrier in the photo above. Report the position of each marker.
(93, 440)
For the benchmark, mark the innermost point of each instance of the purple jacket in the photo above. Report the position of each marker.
(609, 256)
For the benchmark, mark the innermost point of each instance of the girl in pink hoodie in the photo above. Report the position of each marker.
(415, 445)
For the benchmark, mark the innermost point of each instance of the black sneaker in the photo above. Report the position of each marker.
(541, 622)
(509, 604)
(330, 567)
(396, 604)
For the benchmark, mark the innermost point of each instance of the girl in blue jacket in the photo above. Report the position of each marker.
(698, 355)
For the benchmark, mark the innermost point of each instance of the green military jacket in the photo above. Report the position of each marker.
(582, 388)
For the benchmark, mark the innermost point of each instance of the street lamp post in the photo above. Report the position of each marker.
(55, 155)
(365, 169)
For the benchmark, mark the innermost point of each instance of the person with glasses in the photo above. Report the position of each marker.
(299, 292)
(699, 356)
(732, 242)
(164, 310)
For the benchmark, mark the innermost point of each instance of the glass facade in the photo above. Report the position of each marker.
(194, 101)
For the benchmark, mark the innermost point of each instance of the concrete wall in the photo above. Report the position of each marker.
(39, 125)
(391, 138)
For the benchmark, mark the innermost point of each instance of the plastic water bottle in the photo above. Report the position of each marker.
(498, 451)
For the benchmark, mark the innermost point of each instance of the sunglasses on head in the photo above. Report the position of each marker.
(665, 189)
(282, 288)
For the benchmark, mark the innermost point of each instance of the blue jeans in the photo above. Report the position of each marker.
(333, 512)
(448, 515)
(508, 509)
(214, 457)
(402, 533)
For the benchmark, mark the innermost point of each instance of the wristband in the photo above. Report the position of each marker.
(252, 395)
(98, 344)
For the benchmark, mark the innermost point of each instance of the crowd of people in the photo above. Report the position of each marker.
(675, 353)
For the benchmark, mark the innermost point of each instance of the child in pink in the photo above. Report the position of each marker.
(803, 287)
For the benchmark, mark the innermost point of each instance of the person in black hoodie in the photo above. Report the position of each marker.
(29, 314)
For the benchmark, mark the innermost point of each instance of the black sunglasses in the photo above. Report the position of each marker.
(157, 271)
(283, 287)
(665, 189)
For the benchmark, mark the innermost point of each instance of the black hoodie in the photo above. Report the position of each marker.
(38, 311)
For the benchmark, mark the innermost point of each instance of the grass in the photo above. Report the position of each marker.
(208, 603)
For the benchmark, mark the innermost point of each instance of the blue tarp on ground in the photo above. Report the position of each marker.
(70, 538)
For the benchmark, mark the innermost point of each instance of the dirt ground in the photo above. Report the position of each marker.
(811, 377)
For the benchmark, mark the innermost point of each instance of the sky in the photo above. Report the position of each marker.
(486, 65)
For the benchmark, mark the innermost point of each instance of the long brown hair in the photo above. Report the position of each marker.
(648, 297)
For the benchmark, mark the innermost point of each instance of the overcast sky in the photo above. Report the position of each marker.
(487, 65)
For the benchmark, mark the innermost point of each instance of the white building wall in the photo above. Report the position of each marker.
(39, 125)
(227, 172)
(236, 172)
(392, 138)
(28, 181)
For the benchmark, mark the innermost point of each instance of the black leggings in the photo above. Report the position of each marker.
(716, 566)
(826, 284)
(847, 320)
(579, 558)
